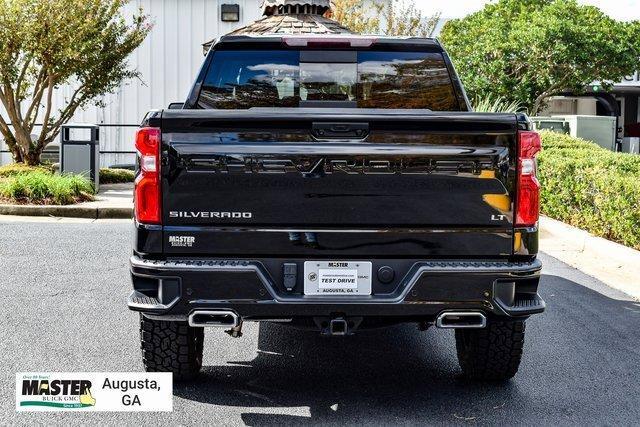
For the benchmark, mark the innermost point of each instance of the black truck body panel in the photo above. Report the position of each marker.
(375, 196)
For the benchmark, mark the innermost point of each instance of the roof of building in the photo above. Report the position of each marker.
(291, 17)
(293, 24)
(274, 7)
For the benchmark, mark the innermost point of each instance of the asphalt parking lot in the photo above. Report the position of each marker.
(63, 287)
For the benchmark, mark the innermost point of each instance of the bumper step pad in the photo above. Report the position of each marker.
(528, 304)
(138, 300)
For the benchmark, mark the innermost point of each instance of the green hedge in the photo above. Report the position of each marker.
(116, 176)
(590, 187)
(39, 185)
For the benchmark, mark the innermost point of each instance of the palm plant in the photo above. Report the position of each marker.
(496, 104)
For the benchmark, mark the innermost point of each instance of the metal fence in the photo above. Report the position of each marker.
(117, 142)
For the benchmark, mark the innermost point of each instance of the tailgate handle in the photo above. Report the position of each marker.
(340, 130)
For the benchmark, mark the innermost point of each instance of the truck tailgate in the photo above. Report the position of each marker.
(383, 181)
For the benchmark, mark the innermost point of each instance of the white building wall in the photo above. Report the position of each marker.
(168, 60)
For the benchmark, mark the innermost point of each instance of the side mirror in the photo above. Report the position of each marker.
(176, 106)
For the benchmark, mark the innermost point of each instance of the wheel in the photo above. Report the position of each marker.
(492, 353)
(171, 347)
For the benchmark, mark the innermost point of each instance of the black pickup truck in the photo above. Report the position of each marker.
(334, 183)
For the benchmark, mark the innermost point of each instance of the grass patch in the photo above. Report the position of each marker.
(591, 188)
(116, 176)
(40, 186)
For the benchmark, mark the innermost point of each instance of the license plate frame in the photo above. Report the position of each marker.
(335, 278)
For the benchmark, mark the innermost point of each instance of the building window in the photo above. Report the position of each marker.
(230, 13)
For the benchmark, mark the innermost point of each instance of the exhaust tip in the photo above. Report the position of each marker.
(461, 320)
(214, 318)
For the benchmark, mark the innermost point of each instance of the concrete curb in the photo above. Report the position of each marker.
(616, 265)
(69, 211)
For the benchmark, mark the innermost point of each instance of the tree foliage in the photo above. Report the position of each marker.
(45, 44)
(395, 17)
(529, 50)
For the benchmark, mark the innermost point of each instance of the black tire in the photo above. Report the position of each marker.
(493, 353)
(171, 347)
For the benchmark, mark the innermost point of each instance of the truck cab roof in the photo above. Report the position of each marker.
(327, 41)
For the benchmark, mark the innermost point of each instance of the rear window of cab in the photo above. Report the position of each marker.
(244, 79)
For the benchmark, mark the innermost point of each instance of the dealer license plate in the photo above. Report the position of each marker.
(337, 278)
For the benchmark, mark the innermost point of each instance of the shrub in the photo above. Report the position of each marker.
(37, 186)
(591, 188)
(115, 176)
(20, 168)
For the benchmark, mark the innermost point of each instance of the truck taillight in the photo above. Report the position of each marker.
(146, 197)
(528, 191)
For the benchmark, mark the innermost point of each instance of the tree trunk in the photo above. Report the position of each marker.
(16, 153)
(538, 105)
(25, 151)
(32, 158)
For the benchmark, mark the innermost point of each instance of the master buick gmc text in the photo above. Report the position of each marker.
(335, 184)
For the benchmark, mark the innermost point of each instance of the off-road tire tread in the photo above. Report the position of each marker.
(171, 347)
(493, 353)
